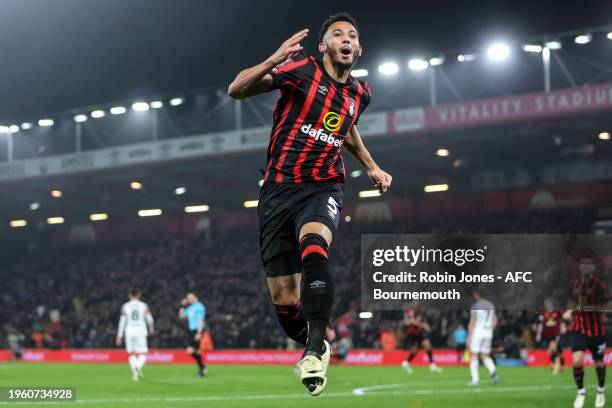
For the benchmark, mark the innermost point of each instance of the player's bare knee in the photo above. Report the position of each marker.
(578, 359)
(284, 290)
(284, 298)
(316, 228)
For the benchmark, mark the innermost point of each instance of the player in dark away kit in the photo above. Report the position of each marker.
(417, 339)
(549, 329)
(587, 330)
(301, 198)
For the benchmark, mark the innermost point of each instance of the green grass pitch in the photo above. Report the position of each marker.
(110, 385)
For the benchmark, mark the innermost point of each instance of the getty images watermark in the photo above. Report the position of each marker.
(515, 272)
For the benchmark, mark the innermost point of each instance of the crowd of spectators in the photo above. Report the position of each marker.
(73, 298)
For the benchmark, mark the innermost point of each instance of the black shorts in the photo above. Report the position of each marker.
(191, 341)
(546, 341)
(596, 344)
(283, 209)
(412, 342)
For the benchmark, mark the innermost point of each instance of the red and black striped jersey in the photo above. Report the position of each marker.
(585, 295)
(311, 119)
(414, 328)
(551, 323)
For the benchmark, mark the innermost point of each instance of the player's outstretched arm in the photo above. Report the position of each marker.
(355, 146)
(256, 80)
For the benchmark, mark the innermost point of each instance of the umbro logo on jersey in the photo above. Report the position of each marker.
(323, 89)
(332, 208)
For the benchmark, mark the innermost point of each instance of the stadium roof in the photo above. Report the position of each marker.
(61, 55)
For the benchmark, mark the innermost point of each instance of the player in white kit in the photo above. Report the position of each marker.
(480, 336)
(135, 323)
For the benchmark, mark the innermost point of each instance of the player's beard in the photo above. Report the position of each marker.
(342, 67)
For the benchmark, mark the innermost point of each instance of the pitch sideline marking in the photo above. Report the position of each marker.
(419, 383)
(369, 392)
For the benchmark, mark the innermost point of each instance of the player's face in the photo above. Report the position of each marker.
(191, 298)
(587, 268)
(341, 43)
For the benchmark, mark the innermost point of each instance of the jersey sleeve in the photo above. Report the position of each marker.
(365, 99)
(290, 72)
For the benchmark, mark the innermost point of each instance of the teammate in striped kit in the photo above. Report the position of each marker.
(135, 323)
(300, 201)
(587, 330)
(417, 338)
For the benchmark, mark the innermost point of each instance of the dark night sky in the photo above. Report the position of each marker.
(63, 54)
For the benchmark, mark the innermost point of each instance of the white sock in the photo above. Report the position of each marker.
(133, 363)
(601, 390)
(582, 391)
(474, 370)
(488, 362)
(142, 359)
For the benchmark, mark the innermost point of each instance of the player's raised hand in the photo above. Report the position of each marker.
(381, 179)
(290, 46)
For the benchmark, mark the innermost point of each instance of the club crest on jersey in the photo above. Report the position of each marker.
(277, 68)
(323, 89)
(351, 110)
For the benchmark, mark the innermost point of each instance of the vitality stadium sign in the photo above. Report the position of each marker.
(513, 108)
(518, 107)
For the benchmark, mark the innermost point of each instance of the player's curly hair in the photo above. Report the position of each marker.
(334, 19)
